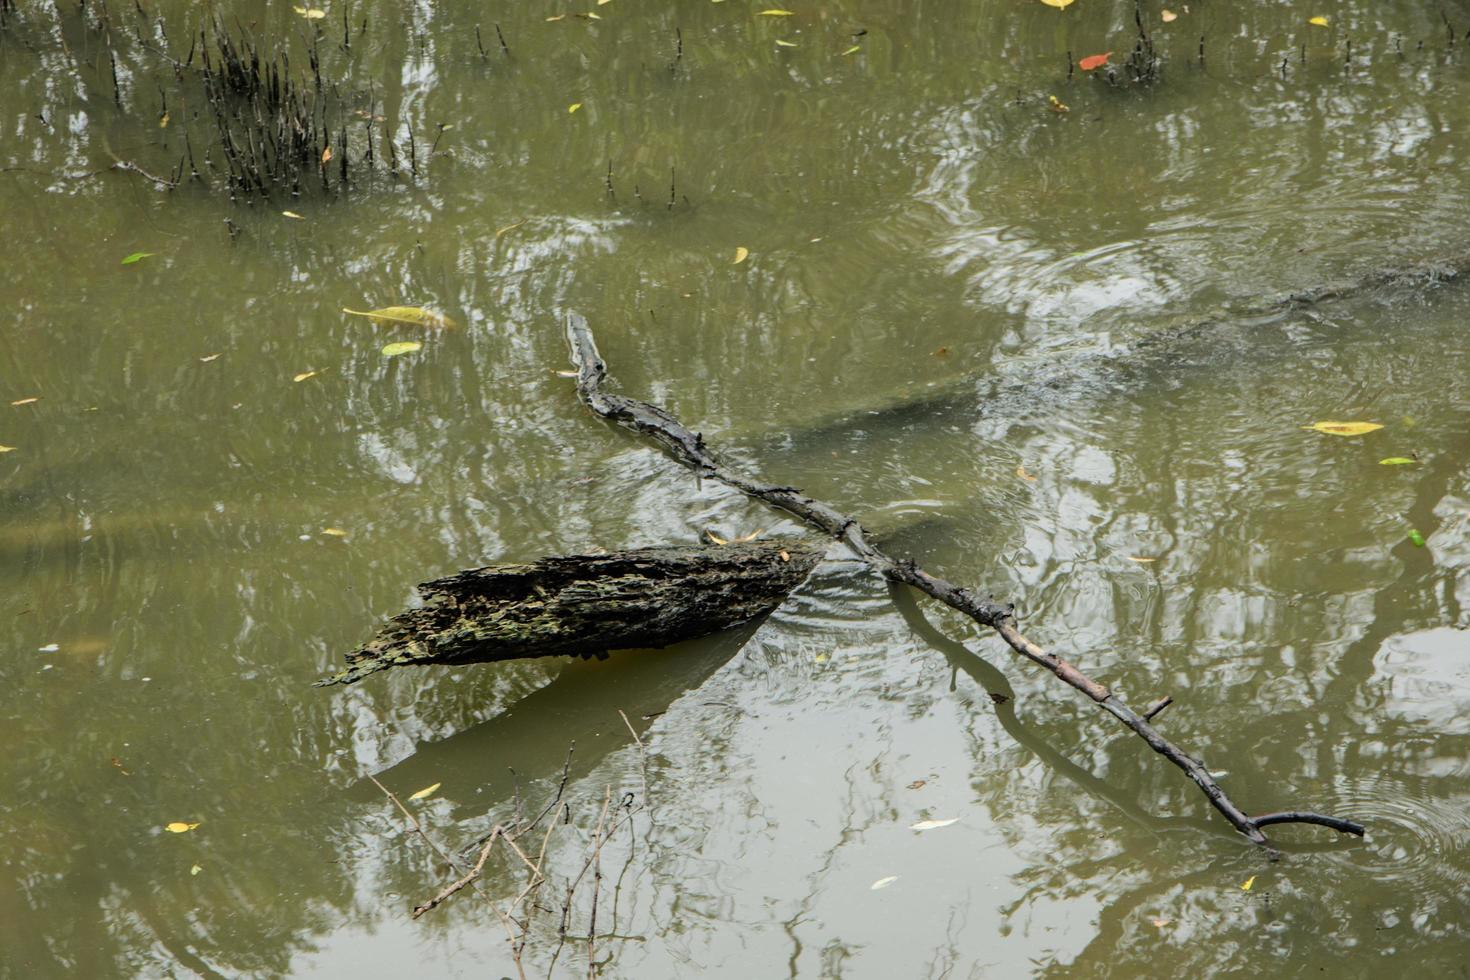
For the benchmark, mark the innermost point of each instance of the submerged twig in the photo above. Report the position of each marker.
(688, 448)
(468, 878)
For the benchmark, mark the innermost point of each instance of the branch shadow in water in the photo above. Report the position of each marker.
(994, 682)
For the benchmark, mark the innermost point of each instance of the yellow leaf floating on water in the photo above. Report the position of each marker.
(1390, 461)
(179, 827)
(749, 537)
(741, 254)
(402, 347)
(163, 121)
(852, 50)
(573, 107)
(1021, 472)
(502, 231)
(1168, 17)
(415, 315)
(716, 538)
(425, 792)
(777, 12)
(1318, 21)
(335, 532)
(313, 13)
(7, 449)
(293, 214)
(298, 378)
(786, 44)
(933, 824)
(882, 883)
(1059, 4)
(1248, 882)
(194, 870)
(1344, 428)
(27, 401)
(1058, 106)
(208, 357)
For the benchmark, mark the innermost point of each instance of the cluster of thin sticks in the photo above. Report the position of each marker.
(519, 914)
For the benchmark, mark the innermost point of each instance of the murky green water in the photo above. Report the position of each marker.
(914, 215)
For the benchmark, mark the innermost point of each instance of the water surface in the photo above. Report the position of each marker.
(915, 213)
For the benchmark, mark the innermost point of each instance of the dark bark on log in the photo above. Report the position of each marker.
(688, 448)
(585, 604)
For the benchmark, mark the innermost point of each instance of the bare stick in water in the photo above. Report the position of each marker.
(688, 448)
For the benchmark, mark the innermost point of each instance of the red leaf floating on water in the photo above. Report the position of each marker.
(1093, 61)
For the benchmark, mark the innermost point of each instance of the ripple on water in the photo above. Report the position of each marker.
(1417, 843)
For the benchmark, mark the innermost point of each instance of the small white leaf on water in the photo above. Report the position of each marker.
(933, 824)
(882, 883)
(49, 648)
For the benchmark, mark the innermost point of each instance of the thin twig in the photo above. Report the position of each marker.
(520, 810)
(505, 920)
(462, 882)
(596, 884)
(418, 827)
(1156, 707)
(566, 769)
(642, 756)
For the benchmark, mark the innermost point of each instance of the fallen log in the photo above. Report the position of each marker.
(585, 604)
(688, 447)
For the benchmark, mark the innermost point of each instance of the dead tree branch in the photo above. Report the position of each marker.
(688, 448)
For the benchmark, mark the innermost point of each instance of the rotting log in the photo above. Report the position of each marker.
(585, 604)
(688, 448)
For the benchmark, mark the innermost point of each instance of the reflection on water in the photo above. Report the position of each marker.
(915, 217)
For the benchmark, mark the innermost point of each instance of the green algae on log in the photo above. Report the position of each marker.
(585, 605)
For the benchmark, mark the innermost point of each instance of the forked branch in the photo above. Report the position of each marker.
(688, 448)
